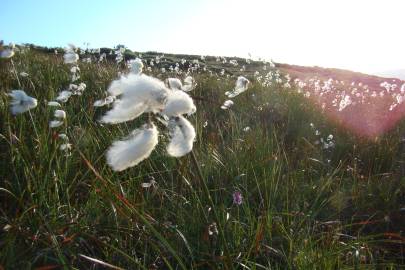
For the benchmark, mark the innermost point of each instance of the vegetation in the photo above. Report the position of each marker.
(300, 204)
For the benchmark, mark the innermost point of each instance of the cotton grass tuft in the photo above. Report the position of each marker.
(241, 86)
(179, 103)
(139, 94)
(182, 135)
(21, 102)
(128, 153)
(70, 56)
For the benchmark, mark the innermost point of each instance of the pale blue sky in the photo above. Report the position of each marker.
(141, 24)
(363, 35)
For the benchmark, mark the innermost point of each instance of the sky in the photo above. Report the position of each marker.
(360, 35)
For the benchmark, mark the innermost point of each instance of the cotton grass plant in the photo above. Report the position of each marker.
(21, 102)
(138, 94)
(263, 197)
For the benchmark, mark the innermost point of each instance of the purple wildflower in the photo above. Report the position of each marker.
(237, 198)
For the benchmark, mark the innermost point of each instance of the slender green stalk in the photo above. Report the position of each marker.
(15, 73)
(34, 125)
(216, 217)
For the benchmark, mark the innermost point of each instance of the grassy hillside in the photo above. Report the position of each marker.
(310, 193)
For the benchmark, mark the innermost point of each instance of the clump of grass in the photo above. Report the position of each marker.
(303, 206)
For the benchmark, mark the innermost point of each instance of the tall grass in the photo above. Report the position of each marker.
(303, 207)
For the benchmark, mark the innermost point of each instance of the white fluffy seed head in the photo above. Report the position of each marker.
(174, 83)
(182, 135)
(65, 146)
(178, 103)
(227, 104)
(53, 104)
(103, 102)
(21, 102)
(116, 86)
(241, 86)
(123, 111)
(70, 56)
(64, 96)
(7, 53)
(128, 153)
(74, 69)
(137, 86)
(63, 136)
(82, 86)
(55, 123)
(139, 94)
(99, 103)
(109, 99)
(189, 84)
(61, 114)
(136, 66)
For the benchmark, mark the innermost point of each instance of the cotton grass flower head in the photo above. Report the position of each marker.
(102, 102)
(7, 53)
(74, 71)
(346, 101)
(64, 96)
(189, 84)
(70, 56)
(65, 146)
(82, 86)
(136, 66)
(87, 60)
(116, 87)
(103, 56)
(109, 100)
(182, 135)
(174, 83)
(227, 104)
(63, 136)
(178, 103)
(139, 94)
(119, 55)
(54, 104)
(55, 123)
(240, 87)
(77, 89)
(128, 153)
(21, 102)
(61, 114)
(151, 183)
